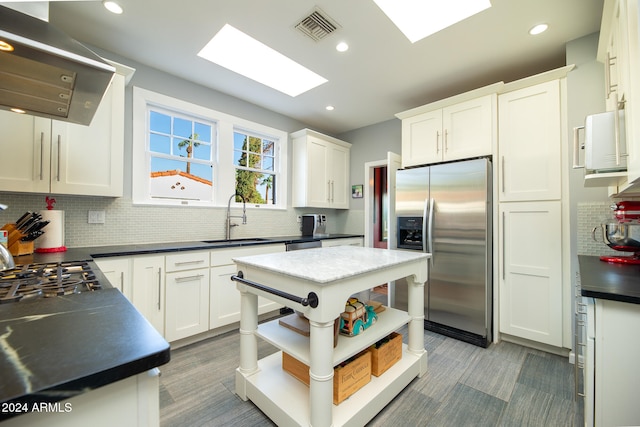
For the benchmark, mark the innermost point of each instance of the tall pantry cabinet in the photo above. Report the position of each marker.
(533, 219)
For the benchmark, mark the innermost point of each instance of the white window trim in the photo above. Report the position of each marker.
(224, 173)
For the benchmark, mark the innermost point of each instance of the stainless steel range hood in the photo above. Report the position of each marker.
(47, 73)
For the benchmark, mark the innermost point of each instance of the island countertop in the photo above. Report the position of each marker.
(325, 265)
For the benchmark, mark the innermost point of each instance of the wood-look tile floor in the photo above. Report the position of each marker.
(504, 385)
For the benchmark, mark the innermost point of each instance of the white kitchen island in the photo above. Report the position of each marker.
(326, 277)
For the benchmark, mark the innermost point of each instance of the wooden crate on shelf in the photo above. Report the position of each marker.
(348, 377)
(385, 353)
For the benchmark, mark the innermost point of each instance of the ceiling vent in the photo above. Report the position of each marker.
(317, 25)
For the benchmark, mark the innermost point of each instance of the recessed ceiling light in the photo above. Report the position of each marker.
(329, 108)
(540, 28)
(112, 7)
(342, 47)
(242, 54)
(5, 47)
(18, 110)
(418, 19)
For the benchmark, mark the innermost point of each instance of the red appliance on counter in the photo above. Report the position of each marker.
(622, 232)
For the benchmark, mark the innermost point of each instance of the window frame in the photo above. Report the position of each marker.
(223, 151)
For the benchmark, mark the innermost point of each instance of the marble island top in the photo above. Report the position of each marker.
(325, 265)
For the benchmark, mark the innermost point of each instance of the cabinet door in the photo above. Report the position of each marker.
(187, 310)
(225, 298)
(317, 164)
(339, 172)
(24, 163)
(530, 143)
(469, 128)
(118, 271)
(531, 271)
(352, 241)
(616, 363)
(422, 139)
(632, 90)
(149, 289)
(88, 160)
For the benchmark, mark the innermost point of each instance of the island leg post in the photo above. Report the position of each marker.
(321, 374)
(248, 340)
(416, 324)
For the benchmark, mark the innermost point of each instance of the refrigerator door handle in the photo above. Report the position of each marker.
(432, 206)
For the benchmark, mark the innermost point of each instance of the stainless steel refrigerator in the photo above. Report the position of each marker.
(446, 210)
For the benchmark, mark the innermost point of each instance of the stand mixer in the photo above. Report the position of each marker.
(622, 232)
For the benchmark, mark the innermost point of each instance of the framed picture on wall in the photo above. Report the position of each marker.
(356, 191)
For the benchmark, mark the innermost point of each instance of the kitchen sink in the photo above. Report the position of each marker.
(231, 241)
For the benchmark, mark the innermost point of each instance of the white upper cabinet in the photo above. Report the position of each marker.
(320, 171)
(49, 156)
(619, 51)
(530, 143)
(462, 130)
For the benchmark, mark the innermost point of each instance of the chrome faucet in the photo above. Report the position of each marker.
(229, 216)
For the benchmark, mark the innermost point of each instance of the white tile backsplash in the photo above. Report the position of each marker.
(590, 215)
(129, 224)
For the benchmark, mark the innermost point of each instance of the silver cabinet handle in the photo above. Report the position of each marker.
(159, 286)
(446, 140)
(437, 142)
(189, 278)
(122, 281)
(504, 178)
(41, 155)
(611, 60)
(333, 190)
(59, 145)
(504, 249)
(199, 261)
(329, 191)
(576, 147)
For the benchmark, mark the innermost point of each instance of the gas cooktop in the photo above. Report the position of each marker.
(45, 280)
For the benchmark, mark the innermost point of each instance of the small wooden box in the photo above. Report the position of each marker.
(386, 355)
(348, 377)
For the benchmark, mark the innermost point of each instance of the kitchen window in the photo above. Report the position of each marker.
(188, 155)
(254, 161)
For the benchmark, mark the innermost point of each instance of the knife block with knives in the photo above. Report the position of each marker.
(23, 232)
(15, 244)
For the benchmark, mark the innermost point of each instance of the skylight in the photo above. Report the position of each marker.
(418, 19)
(242, 54)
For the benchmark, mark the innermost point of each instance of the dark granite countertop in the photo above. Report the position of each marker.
(55, 348)
(617, 282)
(156, 248)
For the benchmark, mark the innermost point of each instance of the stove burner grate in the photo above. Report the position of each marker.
(46, 280)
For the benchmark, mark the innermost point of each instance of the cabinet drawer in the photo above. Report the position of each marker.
(225, 256)
(187, 261)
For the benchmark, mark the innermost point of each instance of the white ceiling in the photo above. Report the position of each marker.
(381, 74)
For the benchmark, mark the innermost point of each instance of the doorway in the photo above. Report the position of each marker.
(379, 195)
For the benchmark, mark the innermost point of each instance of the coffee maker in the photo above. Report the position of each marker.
(314, 225)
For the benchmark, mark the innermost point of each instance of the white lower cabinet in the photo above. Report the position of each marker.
(224, 297)
(531, 271)
(616, 363)
(118, 271)
(187, 284)
(350, 241)
(149, 288)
